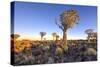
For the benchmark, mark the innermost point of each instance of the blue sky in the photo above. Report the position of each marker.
(32, 18)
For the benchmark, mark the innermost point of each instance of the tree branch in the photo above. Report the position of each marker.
(58, 24)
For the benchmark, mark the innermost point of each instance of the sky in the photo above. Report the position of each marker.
(31, 18)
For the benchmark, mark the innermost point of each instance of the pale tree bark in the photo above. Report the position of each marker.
(88, 39)
(53, 38)
(65, 40)
(41, 38)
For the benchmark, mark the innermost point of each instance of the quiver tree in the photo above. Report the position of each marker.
(66, 20)
(42, 34)
(15, 36)
(89, 32)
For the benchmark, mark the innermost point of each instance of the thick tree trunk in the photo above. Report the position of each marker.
(41, 38)
(56, 38)
(53, 38)
(65, 40)
(88, 39)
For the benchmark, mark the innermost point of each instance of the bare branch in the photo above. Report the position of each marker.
(61, 27)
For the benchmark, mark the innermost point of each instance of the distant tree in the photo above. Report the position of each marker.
(67, 20)
(15, 36)
(13, 42)
(42, 34)
(44, 38)
(54, 35)
(89, 32)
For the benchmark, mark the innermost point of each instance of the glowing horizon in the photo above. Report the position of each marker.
(48, 37)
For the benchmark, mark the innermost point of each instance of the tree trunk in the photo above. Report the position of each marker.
(65, 40)
(56, 38)
(41, 38)
(88, 39)
(53, 38)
